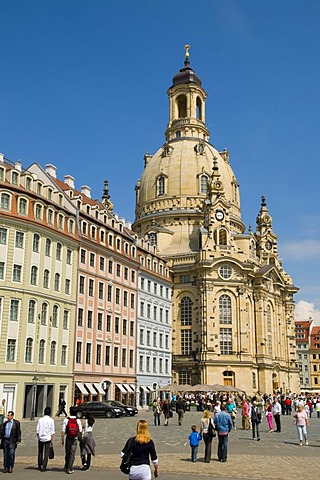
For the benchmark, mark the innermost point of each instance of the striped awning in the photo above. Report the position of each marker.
(121, 388)
(99, 389)
(89, 386)
(82, 388)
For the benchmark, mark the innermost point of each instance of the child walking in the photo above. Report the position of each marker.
(194, 439)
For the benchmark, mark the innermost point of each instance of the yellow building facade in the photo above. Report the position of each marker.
(233, 307)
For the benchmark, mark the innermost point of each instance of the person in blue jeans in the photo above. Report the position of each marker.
(194, 439)
(223, 425)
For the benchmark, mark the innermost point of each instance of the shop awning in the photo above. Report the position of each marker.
(90, 388)
(99, 388)
(146, 388)
(128, 388)
(81, 388)
(133, 387)
(121, 388)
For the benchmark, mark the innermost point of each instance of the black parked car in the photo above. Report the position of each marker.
(100, 409)
(128, 408)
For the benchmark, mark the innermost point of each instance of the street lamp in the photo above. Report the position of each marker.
(34, 397)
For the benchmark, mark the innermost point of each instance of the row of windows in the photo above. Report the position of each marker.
(17, 277)
(29, 351)
(145, 311)
(109, 238)
(112, 268)
(225, 310)
(145, 336)
(109, 293)
(38, 212)
(111, 355)
(14, 313)
(157, 365)
(162, 188)
(115, 324)
(157, 289)
(36, 242)
(225, 341)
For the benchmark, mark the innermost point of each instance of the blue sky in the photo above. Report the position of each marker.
(83, 86)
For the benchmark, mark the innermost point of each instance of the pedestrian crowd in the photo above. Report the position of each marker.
(218, 420)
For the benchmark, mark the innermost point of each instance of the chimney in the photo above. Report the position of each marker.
(18, 166)
(51, 170)
(85, 190)
(69, 180)
(1, 157)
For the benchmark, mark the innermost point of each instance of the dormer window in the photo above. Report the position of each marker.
(28, 183)
(203, 184)
(50, 193)
(2, 174)
(161, 185)
(39, 188)
(38, 211)
(60, 199)
(14, 178)
(5, 201)
(23, 206)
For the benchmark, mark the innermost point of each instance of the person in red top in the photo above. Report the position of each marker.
(288, 404)
(245, 415)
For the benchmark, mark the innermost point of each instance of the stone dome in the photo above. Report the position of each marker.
(181, 162)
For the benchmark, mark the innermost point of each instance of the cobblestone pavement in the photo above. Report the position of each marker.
(277, 456)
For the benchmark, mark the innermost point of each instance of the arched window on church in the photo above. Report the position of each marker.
(161, 185)
(199, 108)
(203, 184)
(152, 238)
(182, 106)
(186, 312)
(223, 236)
(225, 310)
(184, 377)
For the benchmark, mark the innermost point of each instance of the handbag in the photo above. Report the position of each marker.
(126, 460)
(170, 413)
(211, 430)
(51, 452)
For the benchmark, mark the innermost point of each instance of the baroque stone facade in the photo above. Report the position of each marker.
(233, 307)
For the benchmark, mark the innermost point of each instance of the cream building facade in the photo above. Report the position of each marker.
(233, 307)
(38, 265)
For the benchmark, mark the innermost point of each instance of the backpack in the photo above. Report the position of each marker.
(211, 429)
(72, 428)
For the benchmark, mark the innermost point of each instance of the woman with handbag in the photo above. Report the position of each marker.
(207, 432)
(138, 450)
(87, 442)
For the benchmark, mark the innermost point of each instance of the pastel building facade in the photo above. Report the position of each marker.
(154, 324)
(38, 265)
(302, 331)
(107, 292)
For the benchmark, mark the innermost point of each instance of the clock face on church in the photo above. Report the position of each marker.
(219, 215)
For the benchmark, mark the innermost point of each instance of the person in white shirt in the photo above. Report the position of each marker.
(277, 414)
(45, 432)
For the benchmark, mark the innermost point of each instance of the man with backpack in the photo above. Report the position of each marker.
(71, 428)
